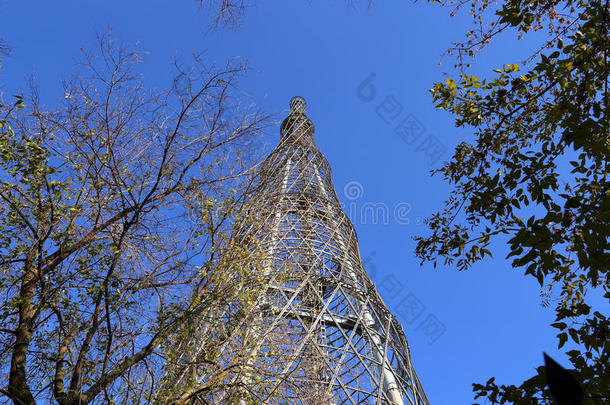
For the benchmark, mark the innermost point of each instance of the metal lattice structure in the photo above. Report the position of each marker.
(322, 334)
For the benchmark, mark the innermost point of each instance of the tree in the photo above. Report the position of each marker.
(536, 173)
(115, 215)
(226, 12)
(4, 50)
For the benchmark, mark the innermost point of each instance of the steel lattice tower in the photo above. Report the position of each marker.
(323, 334)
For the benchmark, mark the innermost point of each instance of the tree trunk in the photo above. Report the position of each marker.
(18, 387)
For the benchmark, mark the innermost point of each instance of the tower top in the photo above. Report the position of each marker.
(297, 127)
(297, 105)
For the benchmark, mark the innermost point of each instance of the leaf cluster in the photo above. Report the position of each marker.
(536, 175)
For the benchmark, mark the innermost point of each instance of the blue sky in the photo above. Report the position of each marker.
(323, 50)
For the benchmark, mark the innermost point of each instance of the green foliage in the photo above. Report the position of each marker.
(115, 215)
(536, 174)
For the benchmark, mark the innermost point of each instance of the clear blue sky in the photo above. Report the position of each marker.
(322, 50)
